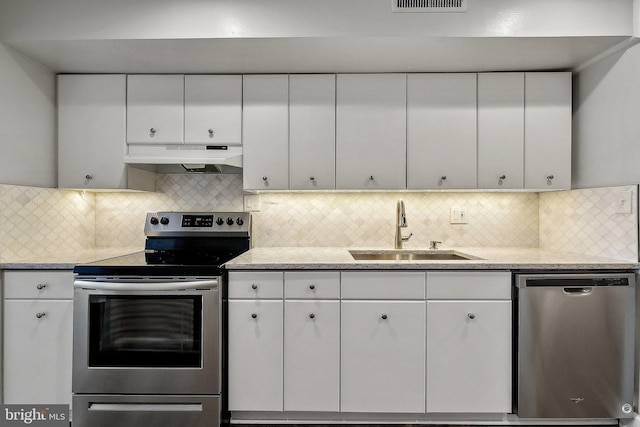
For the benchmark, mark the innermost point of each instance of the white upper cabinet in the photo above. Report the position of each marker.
(312, 130)
(441, 131)
(265, 128)
(91, 134)
(500, 130)
(547, 145)
(155, 109)
(371, 131)
(213, 109)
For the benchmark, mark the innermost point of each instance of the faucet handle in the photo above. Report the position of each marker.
(406, 238)
(434, 244)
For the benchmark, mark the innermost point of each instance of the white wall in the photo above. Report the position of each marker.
(606, 122)
(27, 121)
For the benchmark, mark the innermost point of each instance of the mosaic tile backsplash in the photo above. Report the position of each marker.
(36, 221)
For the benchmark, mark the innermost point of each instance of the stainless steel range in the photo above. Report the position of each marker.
(147, 338)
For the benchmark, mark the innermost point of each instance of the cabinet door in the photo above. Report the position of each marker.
(91, 131)
(441, 131)
(371, 131)
(312, 356)
(255, 355)
(383, 356)
(212, 109)
(37, 351)
(500, 130)
(265, 127)
(547, 131)
(312, 135)
(155, 109)
(469, 356)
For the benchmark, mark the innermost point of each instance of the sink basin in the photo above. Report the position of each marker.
(409, 255)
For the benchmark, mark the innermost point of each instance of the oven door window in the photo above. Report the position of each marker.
(145, 331)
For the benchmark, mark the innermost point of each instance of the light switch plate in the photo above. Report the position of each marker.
(623, 202)
(458, 215)
(251, 202)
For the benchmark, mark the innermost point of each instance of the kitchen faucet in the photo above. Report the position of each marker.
(401, 222)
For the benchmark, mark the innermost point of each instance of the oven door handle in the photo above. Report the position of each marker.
(146, 286)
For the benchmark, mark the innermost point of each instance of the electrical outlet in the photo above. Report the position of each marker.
(623, 202)
(458, 215)
(251, 203)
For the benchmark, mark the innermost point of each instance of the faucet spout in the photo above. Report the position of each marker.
(401, 222)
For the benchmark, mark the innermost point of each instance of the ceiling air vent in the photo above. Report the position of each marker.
(428, 5)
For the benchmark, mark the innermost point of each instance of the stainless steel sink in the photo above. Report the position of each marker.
(409, 255)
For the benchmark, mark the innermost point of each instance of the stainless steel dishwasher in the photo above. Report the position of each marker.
(575, 345)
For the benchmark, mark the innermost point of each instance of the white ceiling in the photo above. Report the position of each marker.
(319, 55)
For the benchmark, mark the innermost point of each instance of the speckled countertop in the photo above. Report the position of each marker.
(277, 258)
(63, 260)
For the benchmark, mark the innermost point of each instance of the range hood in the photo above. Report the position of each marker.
(185, 158)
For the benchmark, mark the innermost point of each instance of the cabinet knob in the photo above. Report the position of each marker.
(311, 315)
(210, 133)
(254, 286)
(443, 178)
(371, 178)
(41, 286)
(501, 177)
(40, 315)
(384, 317)
(312, 287)
(152, 132)
(254, 315)
(549, 179)
(312, 178)
(88, 177)
(471, 316)
(265, 178)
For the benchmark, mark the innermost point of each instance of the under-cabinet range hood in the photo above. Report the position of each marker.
(186, 158)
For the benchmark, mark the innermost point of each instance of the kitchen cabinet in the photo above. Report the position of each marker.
(469, 347)
(91, 135)
(370, 131)
(441, 131)
(155, 109)
(383, 342)
(312, 140)
(547, 125)
(501, 130)
(265, 128)
(312, 342)
(37, 338)
(213, 109)
(255, 322)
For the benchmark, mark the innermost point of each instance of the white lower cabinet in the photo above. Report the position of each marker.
(469, 350)
(255, 355)
(37, 341)
(312, 355)
(383, 356)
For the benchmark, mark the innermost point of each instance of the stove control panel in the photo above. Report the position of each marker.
(196, 223)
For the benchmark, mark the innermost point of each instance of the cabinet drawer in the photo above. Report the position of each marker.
(469, 285)
(249, 285)
(383, 285)
(38, 284)
(312, 284)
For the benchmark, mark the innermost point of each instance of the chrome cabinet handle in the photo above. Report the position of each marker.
(40, 315)
(384, 317)
(41, 286)
(471, 316)
(210, 133)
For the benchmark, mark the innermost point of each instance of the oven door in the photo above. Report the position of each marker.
(153, 337)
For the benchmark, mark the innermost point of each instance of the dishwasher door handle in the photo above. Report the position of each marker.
(577, 291)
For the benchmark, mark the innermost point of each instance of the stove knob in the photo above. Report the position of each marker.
(219, 221)
(164, 220)
(154, 220)
(239, 221)
(229, 221)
